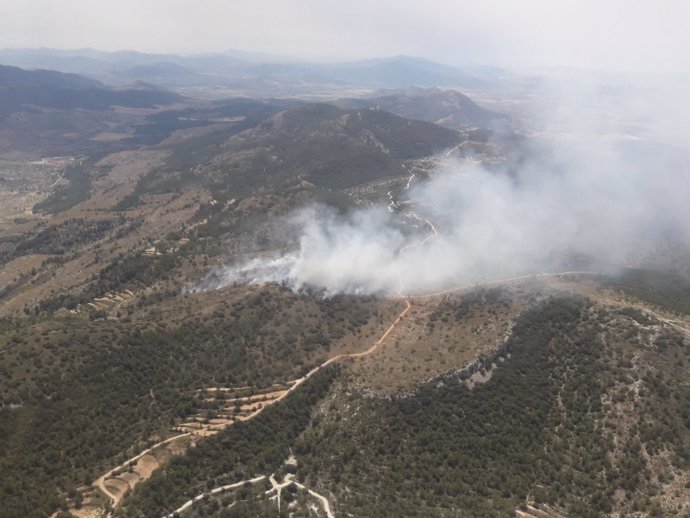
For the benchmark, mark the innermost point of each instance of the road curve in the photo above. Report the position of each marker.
(100, 481)
(190, 503)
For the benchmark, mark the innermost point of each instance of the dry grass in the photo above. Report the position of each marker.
(124, 170)
(110, 137)
(24, 182)
(424, 347)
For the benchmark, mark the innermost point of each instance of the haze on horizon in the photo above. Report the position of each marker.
(615, 35)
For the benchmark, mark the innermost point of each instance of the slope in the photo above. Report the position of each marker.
(448, 108)
(583, 415)
(21, 90)
(326, 146)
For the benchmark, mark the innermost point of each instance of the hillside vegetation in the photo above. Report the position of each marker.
(448, 108)
(582, 413)
(108, 388)
(22, 89)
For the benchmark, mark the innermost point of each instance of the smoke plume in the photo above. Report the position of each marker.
(592, 194)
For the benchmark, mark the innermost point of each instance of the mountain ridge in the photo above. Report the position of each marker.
(21, 89)
(247, 70)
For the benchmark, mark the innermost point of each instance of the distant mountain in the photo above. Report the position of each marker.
(400, 71)
(13, 76)
(448, 108)
(250, 72)
(161, 69)
(25, 90)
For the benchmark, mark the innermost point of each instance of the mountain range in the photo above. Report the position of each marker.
(242, 71)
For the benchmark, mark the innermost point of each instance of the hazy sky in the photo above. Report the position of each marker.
(621, 34)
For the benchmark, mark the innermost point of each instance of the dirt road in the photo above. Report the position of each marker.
(115, 498)
(100, 481)
(324, 501)
(190, 503)
(506, 280)
(296, 383)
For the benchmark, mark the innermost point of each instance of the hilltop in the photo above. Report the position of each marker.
(448, 108)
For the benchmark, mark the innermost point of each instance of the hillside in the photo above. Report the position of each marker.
(211, 184)
(26, 90)
(317, 143)
(448, 108)
(567, 422)
(49, 113)
(340, 148)
(110, 387)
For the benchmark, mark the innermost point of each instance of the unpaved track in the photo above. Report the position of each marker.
(672, 323)
(100, 481)
(408, 306)
(296, 383)
(506, 280)
(276, 486)
(644, 309)
(324, 501)
(666, 321)
(190, 503)
(115, 499)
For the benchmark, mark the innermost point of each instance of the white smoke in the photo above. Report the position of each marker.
(598, 199)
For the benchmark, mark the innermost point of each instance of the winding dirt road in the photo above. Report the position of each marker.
(324, 501)
(276, 486)
(191, 502)
(116, 498)
(296, 383)
(100, 481)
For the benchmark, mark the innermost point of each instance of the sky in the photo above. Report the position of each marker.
(620, 35)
